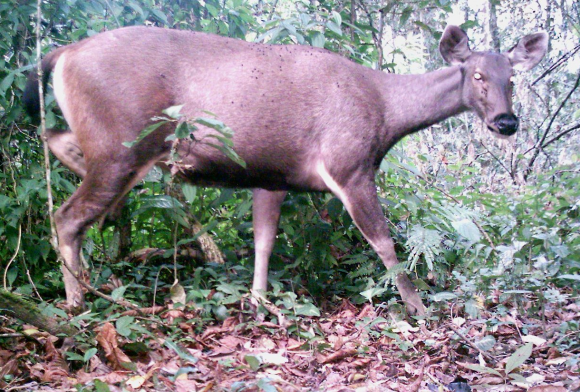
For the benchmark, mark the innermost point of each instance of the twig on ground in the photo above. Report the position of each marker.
(470, 344)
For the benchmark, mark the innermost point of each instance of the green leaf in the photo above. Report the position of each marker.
(123, 325)
(177, 293)
(264, 385)
(215, 124)
(253, 361)
(466, 228)
(374, 291)
(182, 130)
(518, 378)
(6, 83)
(159, 15)
(571, 277)
(405, 16)
(307, 310)
(89, 354)
(486, 343)
(334, 28)
(519, 357)
(182, 354)
(483, 369)
(443, 296)
(230, 153)
(318, 40)
(189, 191)
(144, 133)
(73, 356)
(101, 386)
(173, 111)
(118, 292)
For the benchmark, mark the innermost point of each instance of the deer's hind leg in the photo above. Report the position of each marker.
(104, 185)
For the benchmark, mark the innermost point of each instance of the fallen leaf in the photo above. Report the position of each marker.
(107, 339)
(546, 388)
(535, 340)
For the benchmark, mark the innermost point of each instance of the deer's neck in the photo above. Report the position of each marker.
(414, 102)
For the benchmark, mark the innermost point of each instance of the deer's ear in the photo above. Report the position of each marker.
(454, 45)
(529, 51)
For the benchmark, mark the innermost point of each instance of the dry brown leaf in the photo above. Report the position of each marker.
(547, 388)
(337, 356)
(9, 368)
(150, 310)
(107, 338)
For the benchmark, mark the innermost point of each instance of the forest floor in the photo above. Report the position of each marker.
(351, 348)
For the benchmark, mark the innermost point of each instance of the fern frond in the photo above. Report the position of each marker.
(425, 242)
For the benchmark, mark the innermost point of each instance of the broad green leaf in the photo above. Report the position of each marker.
(101, 386)
(181, 353)
(334, 28)
(123, 325)
(144, 133)
(486, 343)
(227, 151)
(307, 310)
(253, 361)
(373, 292)
(189, 191)
(265, 385)
(472, 308)
(118, 293)
(159, 15)
(468, 229)
(182, 130)
(483, 369)
(177, 293)
(6, 83)
(318, 40)
(89, 354)
(570, 277)
(405, 15)
(519, 357)
(74, 356)
(443, 296)
(173, 111)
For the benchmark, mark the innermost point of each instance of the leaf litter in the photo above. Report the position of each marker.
(348, 348)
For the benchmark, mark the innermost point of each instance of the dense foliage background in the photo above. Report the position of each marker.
(481, 222)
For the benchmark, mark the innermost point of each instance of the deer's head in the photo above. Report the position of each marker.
(487, 84)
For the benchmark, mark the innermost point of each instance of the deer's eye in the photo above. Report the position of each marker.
(477, 76)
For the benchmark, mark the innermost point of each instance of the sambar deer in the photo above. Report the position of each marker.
(304, 119)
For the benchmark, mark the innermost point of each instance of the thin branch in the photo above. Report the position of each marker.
(558, 63)
(54, 238)
(13, 257)
(499, 161)
(470, 344)
(561, 134)
(94, 291)
(113, 13)
(540, 143)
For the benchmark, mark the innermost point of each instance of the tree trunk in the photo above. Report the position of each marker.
(492, 26)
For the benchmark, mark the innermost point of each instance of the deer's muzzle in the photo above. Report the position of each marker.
(504, 124)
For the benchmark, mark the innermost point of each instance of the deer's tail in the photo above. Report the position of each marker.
(31, 98)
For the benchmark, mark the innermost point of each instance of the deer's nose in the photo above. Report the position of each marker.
(506, 124)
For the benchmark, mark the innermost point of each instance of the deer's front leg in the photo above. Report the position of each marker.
(266, 215)
(359, 197)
